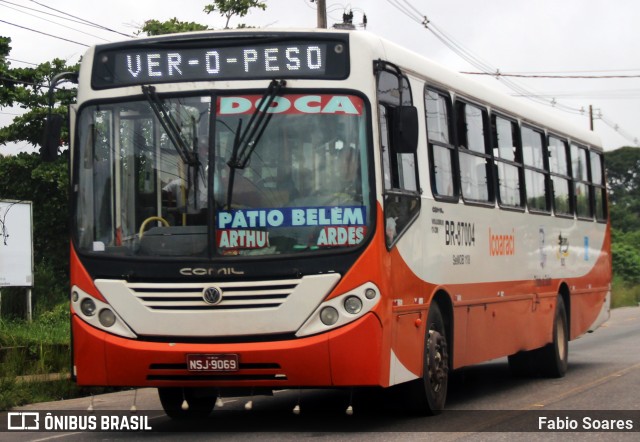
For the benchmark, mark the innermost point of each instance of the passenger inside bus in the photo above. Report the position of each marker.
(186, 195)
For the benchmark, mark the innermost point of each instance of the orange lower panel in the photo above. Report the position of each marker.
(350, 356)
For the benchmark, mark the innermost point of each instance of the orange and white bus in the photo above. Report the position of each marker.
(260, 210)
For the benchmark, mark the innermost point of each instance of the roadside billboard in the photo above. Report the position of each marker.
(16, 244)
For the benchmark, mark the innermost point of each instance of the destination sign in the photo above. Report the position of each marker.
(128, 65)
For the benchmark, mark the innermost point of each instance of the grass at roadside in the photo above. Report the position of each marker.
(50, 327)
(29, 352)
(624, 294)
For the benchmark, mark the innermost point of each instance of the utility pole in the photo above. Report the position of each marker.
(591, 117)
(322, 14)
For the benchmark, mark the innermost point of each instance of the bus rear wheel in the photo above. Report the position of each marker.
(427, 396)
(550, 360)
(553, 358)
(198, 407)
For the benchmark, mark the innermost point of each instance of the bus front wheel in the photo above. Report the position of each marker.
(427, 396)
(197, 407)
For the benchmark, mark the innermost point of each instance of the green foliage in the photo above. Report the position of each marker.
(5, 48)
(229, 8)
(30, 352)
(15, 392)
(28, 88)
(226, 8)
(624, 293)
(28, 349)
(622, 172)
(172, 26)
(623, 181)
(49, 328)
(626, 262)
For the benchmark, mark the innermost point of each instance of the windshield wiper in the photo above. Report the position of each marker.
(245, 142)
(170, 126)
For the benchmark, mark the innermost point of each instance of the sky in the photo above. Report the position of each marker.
(529, 38)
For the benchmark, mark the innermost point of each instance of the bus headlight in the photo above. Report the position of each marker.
(341, 310)
(353, 305)
(329, 315)
(107, 317)
(98, 314)
(88, 307)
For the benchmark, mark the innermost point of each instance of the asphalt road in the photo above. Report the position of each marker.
(485, 402)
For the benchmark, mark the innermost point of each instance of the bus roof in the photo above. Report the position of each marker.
(413, 64)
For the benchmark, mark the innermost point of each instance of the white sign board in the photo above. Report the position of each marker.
(16, 244)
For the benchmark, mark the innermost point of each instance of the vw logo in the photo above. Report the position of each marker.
(212, 295)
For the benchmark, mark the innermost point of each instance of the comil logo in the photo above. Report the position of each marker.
(25, 421)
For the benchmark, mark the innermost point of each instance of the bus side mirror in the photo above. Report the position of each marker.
(405, 129)
(51, 138)
(53, 122)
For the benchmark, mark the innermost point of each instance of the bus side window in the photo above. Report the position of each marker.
(401, 187)
(508, 161)
(536, 184)
(582, 189)
(559, 168)
(441, 149)
(599, 190)
(474, 159)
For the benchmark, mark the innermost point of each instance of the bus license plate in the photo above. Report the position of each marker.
(212, 362)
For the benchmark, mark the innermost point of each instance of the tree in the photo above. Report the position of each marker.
(623, 177)
(28, 88)
(226, 8)
(229, 8)
(623, 181)
(171, 26)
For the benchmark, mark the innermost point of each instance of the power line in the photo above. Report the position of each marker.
(44, 12)
(591, 71)
(85, 21)
(502, 74)
(55, 23)
(613, 94)
(486, 69)
(44, 33)
(29, 83)
(21, 61)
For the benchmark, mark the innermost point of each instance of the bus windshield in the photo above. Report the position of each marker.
(163, 176)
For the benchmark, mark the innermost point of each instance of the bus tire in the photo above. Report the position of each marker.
(553, 358)
(427, 396)
(522, 364)
(173, 398)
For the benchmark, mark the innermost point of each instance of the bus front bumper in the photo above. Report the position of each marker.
(348, 356)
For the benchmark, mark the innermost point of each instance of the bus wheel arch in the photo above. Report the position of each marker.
(427, 395)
